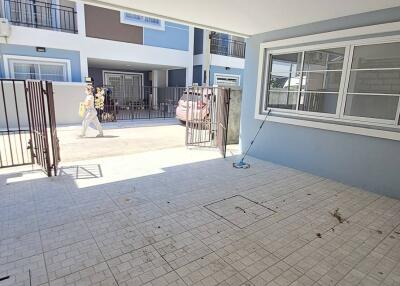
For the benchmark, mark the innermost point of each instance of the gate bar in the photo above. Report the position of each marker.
(8, 127)
(30, 143)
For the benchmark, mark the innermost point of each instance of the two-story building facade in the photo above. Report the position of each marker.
(218, 58)
(63, 40)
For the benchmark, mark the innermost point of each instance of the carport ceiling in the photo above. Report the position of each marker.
(248, 17)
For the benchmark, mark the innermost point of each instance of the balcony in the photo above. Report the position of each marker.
(42, 15)
(222, 44)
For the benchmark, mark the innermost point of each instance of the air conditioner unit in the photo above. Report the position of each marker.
(5, 27)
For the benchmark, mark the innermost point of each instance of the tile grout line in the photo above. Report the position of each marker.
(282, 259)
(95, 241)
(172, 269)
(304, 274)
(386, 236)
(41, 244)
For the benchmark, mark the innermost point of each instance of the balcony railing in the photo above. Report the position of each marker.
(41, 15)
(227, 47)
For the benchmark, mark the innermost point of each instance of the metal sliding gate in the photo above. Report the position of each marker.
(28, 133)
(207, 112)
(43, 125)
(139, 102)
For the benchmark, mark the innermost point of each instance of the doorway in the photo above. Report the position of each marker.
(127, 88)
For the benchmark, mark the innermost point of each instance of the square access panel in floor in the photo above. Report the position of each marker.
(239, 210)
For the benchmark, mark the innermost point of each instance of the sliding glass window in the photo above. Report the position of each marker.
(373, 89)
(353, 82)
(306, 81)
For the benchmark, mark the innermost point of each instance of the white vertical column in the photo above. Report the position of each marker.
(80, 19)
(189, 67)
(155, 83)
(84, 65)
(207, 58)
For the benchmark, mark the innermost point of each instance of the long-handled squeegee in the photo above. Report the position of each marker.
(242, 164)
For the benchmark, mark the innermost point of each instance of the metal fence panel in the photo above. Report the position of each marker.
(43, 125)
(141, 102)
(207, 111)
(15, 135)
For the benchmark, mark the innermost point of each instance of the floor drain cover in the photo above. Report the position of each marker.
(239, 210)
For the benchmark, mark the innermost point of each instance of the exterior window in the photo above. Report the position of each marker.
(284, 80)
(355, 82)
(23, 69)
(374, 84)
(143, 21)
(306, 81)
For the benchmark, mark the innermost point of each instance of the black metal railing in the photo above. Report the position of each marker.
(140, 102)
(40, 14)
(227, 47)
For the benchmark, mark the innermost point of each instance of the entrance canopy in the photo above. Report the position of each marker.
(246, 18)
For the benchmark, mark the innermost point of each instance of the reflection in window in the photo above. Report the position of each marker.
(372, 106)
(327, 81)
(318, 102)
(284, 100)
(376, 56)
(374, 85)
(22, 69)
(329, 59)
(314, 82)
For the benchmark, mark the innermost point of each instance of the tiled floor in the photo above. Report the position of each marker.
(186, 217)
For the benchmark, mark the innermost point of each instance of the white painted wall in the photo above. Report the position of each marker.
(67, 97)
(224, 61)
(103, 49)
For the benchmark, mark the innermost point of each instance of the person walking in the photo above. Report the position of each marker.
(90, 113)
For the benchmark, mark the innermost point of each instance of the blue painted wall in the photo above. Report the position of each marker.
(177, 77)
(20, 50)
(366, 162)
(223, 70)
(175, 36)
(198, 41)
(197, 74)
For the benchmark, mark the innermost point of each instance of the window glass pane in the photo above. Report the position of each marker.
(322, 81)
(318, 102)
(372, 106)
(25, 71)
(376, 56)
(285, 100)
(286, 63)
(284, 81)
(52, 72)
(375, 81)
(329, 59)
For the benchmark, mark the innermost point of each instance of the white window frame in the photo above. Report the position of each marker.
(9, 69)
(105, 81)
(143, 24)
(234, 76)
(338, 122)
(122, 73)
